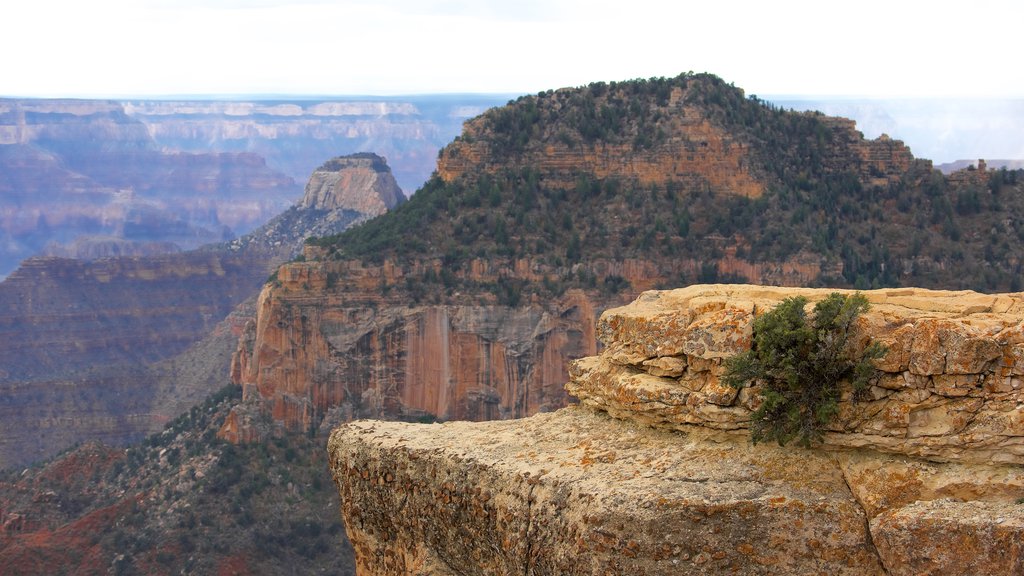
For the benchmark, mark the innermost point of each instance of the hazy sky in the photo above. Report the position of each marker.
(378, 47)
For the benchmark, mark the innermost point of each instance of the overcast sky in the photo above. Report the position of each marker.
(380, 47)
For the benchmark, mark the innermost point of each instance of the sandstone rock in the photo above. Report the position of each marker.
(948, 537)
(945, 391)
(318, 347)
(575, 492)
(884, 483)
(671, 366)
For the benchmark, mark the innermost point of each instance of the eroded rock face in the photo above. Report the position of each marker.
(359, 182)
(653, 472)
(949, 387)
(307, 357)
(576, 492)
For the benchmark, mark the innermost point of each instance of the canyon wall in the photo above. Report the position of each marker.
(314, 358)
(110, 349)
(652, 472)
(337, 340)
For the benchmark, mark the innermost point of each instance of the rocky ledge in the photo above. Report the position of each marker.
(653, 474)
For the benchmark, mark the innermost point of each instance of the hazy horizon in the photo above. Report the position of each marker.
(943, 130)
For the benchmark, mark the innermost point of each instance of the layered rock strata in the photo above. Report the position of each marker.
(653, 472)
(315, 356)
(110, 349)
(360, 182)
(689, 143)
(949, 386)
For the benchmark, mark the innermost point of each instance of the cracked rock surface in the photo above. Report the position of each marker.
(578, 492)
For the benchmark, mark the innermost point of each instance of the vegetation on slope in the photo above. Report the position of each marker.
(920, 228)
(182, 501)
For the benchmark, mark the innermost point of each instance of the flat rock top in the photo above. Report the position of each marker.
(618, 460)
(576, 492)
(901, 302)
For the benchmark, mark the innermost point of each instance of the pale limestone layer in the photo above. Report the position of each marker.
(949, 387)
(577, 492)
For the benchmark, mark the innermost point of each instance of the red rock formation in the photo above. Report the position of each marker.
(308, 355)
(323, 347)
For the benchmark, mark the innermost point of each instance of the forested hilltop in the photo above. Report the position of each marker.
(691, 168)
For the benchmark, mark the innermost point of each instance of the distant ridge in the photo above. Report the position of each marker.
(950, 167)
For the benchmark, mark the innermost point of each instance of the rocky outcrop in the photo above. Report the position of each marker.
(652, 472)
(359, 182)
(576, 492)
(949, 388)
(679, 139)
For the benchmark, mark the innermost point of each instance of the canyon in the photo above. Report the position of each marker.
(95, 178)
(652, 471)
(111, 349)
(479, 298)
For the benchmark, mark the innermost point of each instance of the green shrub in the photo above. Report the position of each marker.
(800, 364)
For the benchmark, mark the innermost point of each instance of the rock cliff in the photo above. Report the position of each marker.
(551, 209)
(652, 472)
(80, 341)
(311, 362)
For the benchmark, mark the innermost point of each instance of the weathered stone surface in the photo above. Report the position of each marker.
(883, 482)
(947, 389)
(949, 537)
(576, 492)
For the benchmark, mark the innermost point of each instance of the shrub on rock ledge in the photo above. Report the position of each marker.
(800, 364)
